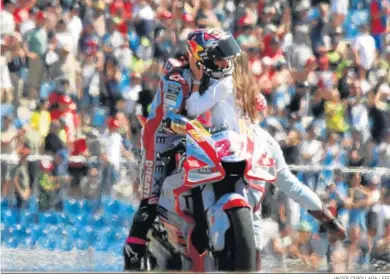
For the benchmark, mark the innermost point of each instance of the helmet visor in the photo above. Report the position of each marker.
(226, 48)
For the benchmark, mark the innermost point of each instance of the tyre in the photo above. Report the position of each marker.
(239, 253)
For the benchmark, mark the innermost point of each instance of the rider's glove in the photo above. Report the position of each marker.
(330, 223)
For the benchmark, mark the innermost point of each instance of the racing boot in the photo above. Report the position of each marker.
(135, 249)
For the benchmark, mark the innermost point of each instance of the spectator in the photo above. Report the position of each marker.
(74, 25)
(378, 12)
(364, 50)
(88, 35)
(291, 148)
(6, 89)
(41, 119)
(188, 26)
(382, 246)
(359, 115)
(67, 67)
(7, 22)
(90, 76)
(113, 39)
(111, 77)
(37, 43)
(17, 65)
(111, 155)
(63, 36)
(205, 16)
(312, 153)
(265, 79)
(131, 96)
(338, 194)
(335, 113)
(379, 115)
(299, 55)
(384, 152)
(20, 180)
(320, 33)
(303, 247)
(49, 187)
(78, 169)
(8, 147)
(332, 150)
(359, 198)
(339, 12)
(383, 213)
(53, 14)
(56, 147)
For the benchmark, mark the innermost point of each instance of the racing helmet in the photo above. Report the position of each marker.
(209, 45)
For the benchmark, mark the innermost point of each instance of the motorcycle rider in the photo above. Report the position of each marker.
(216, 49)
(234, 97)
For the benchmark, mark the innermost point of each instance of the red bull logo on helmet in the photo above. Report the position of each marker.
(194, 49)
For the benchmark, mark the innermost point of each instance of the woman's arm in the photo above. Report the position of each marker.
(197, 104)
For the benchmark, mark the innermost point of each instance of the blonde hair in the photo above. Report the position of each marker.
(245, 85)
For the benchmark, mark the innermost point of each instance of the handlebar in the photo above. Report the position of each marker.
(176, 148)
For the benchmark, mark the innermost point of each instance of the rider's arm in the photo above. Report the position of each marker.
(198, 104)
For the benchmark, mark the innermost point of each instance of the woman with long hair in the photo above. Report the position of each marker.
(227, 99)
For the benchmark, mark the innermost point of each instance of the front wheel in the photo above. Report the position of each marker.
(239, 253)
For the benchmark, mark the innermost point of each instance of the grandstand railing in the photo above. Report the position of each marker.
(13, 159)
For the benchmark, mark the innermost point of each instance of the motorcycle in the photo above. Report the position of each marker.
(205, 210)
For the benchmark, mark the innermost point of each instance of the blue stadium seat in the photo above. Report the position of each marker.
(64, 244)
(112, 220)
(48, 243)
(27, 217)
(10, 217)
(36, 231)
(126, 210)
(81, 244)
(27, 243)
(4, 232)
(12, 242)
(102, 245)
(54, 229)
(48, 218)
(81, 221)
(111, 206)
(4, 204)
(89, 206)
(88, 234)
(107, 233)
(96, 221)
(72, 232)
(72, 207)
(62, 218)
(116, 248)
(19, 231)
(33, 205)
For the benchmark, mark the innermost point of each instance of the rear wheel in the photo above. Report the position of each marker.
(239, 253)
